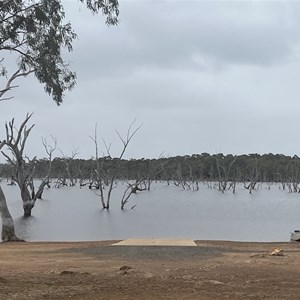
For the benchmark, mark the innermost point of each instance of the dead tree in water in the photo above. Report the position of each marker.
(45, 181)
(253, 177)
(224, 174)
(69, 171)
(132, 188)
(147, 176)
(23, 166)
(16, 140)
(107, 181)
(293, 176)
(180, 180)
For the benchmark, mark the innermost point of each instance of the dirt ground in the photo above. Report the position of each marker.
(97, 270)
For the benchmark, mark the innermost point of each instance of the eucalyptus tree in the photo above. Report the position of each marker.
(33, 34)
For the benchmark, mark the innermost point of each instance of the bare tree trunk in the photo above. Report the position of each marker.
(28, 202)
(45, 182)
(16, 139)
(8, 229)
(131, 189)
(40, 190)
(224, 173)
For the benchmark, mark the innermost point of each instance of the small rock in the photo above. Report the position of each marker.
(66, 273)
(125, 268)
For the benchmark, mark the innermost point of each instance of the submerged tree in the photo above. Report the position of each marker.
(24, 167)
(105, 179)
(45, 181)
(226, 178)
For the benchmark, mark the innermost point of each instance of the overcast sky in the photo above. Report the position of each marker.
(202, 76)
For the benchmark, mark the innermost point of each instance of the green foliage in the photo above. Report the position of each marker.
(36, 33)
(260, 168)
(108, 7)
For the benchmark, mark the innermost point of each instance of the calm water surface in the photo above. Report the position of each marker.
(73, 214)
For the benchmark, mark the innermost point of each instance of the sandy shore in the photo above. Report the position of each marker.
(97, 270)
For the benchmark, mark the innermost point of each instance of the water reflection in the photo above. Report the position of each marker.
(24, 226)
(73, 214)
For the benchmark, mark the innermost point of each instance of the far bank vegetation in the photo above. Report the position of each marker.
(218, 171)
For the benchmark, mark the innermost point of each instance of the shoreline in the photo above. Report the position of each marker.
(119, 240)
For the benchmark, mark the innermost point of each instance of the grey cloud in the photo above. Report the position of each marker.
(203, 76)
(196, 36)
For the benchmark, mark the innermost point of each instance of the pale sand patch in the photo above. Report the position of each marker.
(156, 242)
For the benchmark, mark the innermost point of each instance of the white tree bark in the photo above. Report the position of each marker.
(8, 229)
(16, 139)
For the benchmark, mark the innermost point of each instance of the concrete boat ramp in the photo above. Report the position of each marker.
(156, 242)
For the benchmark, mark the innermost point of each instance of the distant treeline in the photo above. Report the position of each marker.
(239, 168)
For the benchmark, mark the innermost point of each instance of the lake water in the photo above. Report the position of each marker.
(73, 214)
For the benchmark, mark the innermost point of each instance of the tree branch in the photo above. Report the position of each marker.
(128, 138)
(10, 80)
